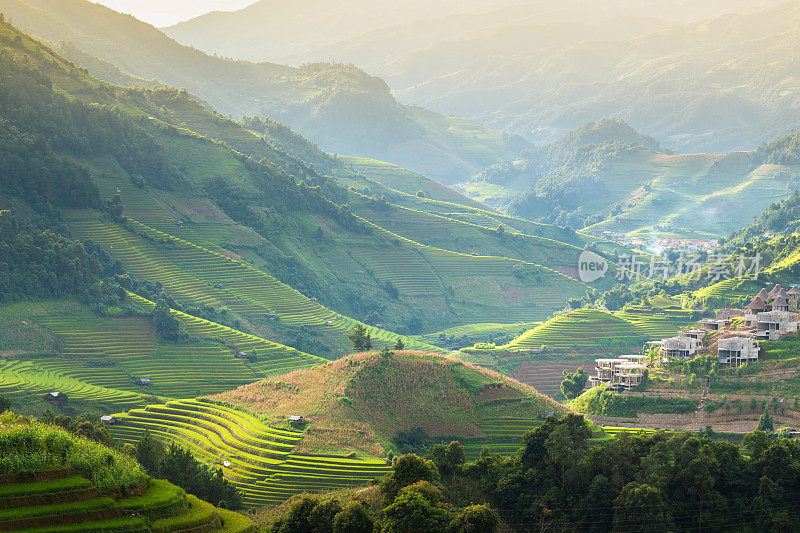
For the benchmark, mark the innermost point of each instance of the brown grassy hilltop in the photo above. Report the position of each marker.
(360, 401)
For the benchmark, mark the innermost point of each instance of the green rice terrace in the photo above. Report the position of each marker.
(56, 482)
(494, 277)
(193, 274)
(586, 330)
(504, 435)
(99, 370)
(258, 458)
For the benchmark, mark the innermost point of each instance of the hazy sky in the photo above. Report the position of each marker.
(162, 13)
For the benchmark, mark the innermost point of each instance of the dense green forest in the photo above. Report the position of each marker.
(782, 151)
(29, 102)
(559, 480)
(43, 265)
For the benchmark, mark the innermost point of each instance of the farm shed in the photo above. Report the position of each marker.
(108, 419)
(57, 397)
(143, 382)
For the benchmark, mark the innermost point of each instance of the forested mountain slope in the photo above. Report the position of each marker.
(339, 106)
(192, 212)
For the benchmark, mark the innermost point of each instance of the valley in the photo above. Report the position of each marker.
(259, 293)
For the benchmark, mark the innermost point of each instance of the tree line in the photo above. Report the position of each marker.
(42, 264)
(561, 480)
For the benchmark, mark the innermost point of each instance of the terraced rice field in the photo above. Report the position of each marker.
(405, 269)
(257, 458)
(727, 292)
(60, 501)
(103, 368)
(21, 379)
(191, 273)
(478, 330)
(546, 376)
(596, 330)
(502, 436)
(176, 370)
(279, 359)
(656, 326)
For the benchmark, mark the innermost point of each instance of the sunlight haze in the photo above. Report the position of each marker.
(400, 266)
(166, 13)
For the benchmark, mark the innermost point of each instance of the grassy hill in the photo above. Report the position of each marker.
(337, 105)
(593, 330)
(362, 401)
(90, 487)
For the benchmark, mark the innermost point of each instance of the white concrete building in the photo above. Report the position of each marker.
(622, 373)
(772, 325)
(698, 334)
(680, 347)
(715, 324)
(736, 351)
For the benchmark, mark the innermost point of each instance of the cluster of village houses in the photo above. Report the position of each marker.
(664, 243)
(769, 316)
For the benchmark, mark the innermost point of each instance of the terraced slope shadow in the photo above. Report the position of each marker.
(257, 458)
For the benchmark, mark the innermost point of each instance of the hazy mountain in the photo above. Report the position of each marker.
(543, 68)
(338, 106)
(605, 176)
(700, 87)
(373, 33)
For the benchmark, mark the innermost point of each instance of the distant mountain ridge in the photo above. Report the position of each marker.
(336, 105)
(606, 177)
(697, 83)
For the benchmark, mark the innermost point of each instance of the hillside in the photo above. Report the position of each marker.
(336, 105)
(363, 401)
(610, 180)
(56, 481)
(212, 199)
